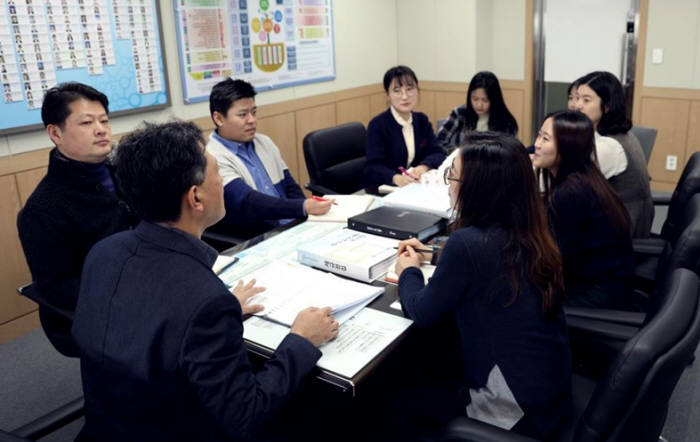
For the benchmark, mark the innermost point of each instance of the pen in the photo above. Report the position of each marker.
(407, 173)
(318, 198)
(222, 269)
(420, 250)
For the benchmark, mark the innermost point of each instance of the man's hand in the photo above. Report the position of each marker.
(315, 207)
(316, 324)
(401, 180)
(244, 292)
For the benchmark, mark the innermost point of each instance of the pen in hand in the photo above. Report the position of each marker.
(318, 198)
(420, 250)
(407, 173)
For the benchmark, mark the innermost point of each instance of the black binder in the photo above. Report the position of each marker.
(397, 223)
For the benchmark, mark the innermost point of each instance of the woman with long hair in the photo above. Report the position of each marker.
(500, 275)
(401, 144)
(484, 110)
(590, 223)
(599, 95)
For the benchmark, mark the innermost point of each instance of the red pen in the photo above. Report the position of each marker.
(407, 173)
(318, 198)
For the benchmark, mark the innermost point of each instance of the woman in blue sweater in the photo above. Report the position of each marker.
(589, 221)
(500, 275)
(400, 138)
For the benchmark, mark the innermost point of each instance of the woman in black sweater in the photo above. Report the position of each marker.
(589, 221)
(499, 274)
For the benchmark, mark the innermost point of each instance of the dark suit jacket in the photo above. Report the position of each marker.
(386, 148)
(162, 353)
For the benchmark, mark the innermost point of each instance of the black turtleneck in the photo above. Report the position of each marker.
(73, 207)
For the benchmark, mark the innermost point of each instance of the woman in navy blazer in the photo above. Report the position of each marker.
(399, 137)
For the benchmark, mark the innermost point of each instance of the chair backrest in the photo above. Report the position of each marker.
(646, 137)
(335, 157)
(683, 252)
(688, 185)
(631, 401)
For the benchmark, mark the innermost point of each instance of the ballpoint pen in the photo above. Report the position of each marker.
(407, 173)
(225, 267)
(318, 198)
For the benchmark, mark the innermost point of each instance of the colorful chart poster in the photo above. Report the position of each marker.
(270, 43)
(112, 45)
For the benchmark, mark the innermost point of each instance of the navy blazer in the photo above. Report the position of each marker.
(162, 353)
(386, 148)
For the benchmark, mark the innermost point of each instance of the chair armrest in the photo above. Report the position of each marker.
(469, 430)
(7, 437)
(29, 291)
(615, 316)
(661, 198)
(648, 246)
(58, 418)
(319, 190)
(602, 329)
(222, 237)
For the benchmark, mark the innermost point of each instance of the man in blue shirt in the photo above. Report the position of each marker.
(160, 336)
(259, 191)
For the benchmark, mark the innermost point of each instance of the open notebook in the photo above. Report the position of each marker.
(345, 206)
(291, 287)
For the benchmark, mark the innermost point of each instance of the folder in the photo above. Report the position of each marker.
(398, 223)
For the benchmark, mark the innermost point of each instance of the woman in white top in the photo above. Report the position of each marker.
(599, 95)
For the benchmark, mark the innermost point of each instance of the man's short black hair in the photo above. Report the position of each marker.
(54, 109)
(226, 92)
(157, 164)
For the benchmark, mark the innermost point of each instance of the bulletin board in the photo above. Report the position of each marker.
(111, 45)
(269, 43)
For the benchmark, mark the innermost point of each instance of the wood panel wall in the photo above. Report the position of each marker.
(674, 112)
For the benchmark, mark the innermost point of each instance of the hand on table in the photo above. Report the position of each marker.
(244, 292)
(316, 324)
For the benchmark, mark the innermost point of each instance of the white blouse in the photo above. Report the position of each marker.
(407, 131)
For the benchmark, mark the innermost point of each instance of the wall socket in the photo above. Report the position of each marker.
(671, 162)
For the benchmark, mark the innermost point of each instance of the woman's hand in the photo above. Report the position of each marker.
(419, 170)
(407, 258)
(244, 292)
(416, 245)
(401, 180)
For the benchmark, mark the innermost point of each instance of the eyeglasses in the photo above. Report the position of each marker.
(408, 90)
(447, 177)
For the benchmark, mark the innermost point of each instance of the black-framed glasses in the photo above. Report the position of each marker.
(447, 176)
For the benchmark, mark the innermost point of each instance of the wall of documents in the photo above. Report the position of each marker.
(270, 43)
(112, 45)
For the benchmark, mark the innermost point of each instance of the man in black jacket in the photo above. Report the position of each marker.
(160, 336)
(74, 206)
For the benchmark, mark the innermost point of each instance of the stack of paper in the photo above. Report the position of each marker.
(359, 340)
(430, 198)
(291, 287)
(345, 206)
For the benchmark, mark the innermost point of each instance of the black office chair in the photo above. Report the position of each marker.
(597, 335)
(47, 424)
(55, 321)
(648, 249)
(631, 402)
(335, 159)
(646, 137)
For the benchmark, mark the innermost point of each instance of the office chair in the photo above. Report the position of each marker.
(646, 137)
(335, 159)
(55, 321)
(648, 249)
(630, 403)
(597, 335)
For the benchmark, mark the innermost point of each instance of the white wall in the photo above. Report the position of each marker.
(365, 45)
(451, 40)
(437, 38)
(583, 36)
(674, 27)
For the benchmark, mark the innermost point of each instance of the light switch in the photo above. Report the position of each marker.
(657, 56)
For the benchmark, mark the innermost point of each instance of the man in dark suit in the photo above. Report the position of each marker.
(160, 335)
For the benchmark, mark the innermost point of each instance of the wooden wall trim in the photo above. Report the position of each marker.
(639, 65)
(670, 93)
(24, 161)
